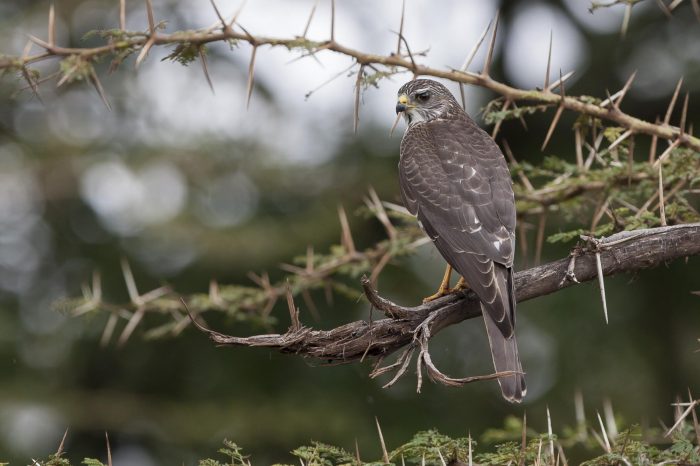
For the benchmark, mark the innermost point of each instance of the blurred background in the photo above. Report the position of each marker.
(190, 186)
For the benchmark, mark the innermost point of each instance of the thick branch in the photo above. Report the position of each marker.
(622, 252)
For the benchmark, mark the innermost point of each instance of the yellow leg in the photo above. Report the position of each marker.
(460, 286)
(444, 286)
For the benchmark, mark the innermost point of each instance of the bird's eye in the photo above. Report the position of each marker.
(422, 96)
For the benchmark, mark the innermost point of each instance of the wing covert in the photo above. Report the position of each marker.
(454, 176)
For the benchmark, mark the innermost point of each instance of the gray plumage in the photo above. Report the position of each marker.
(455, 179)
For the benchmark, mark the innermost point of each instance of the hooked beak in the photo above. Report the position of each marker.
(402, 104)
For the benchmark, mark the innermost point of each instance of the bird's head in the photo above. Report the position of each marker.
(425, 100)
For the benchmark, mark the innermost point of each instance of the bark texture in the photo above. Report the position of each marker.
(622, 252)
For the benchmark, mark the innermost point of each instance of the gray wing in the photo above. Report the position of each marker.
(455, 180)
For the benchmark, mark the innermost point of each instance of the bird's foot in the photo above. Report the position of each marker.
(444, 287)
(461, 285)
(442, 291)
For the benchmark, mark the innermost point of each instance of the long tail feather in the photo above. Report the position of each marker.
(504, 347)
(505, 358)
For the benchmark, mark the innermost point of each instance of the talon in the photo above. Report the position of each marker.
(442, 291)
(461, 285)
(444, 286)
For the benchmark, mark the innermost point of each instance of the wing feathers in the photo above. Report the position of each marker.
(455, 180)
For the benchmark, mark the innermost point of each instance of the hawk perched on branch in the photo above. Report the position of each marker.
(454, 178)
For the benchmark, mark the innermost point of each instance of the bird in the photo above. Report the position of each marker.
(455, 180)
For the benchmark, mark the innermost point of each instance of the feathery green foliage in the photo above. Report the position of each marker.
(501, 446)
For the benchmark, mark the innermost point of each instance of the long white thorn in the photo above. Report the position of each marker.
(601, 282)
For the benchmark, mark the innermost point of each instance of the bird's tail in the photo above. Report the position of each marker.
(504, 348)
(505, 358)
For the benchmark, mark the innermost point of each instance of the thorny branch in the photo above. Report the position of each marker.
(313, 271)
(412, 327)
(77, 64)
(122, 43)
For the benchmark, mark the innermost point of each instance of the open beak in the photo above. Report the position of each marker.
(402, 104)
